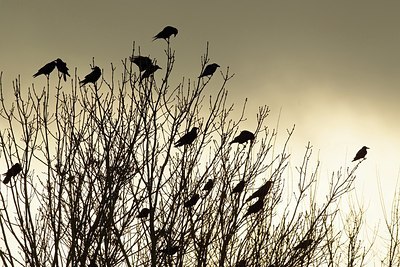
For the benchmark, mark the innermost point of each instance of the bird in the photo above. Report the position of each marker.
(256, 207)
(92, 263)
(12, 172)
(143, 213)
(188, 138)
(209, 70)
(149, 71)
(238, 188)
(192, 201)
(304, 244)
(261, 192)
(209, 185)
(361, 153)
(241, 263)
(46, 69)
(166, 33)
(170, 250)
(91, 77)
(243, 137)
(62, 68)
(144, 63)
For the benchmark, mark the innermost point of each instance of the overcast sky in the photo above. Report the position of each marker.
(331, 66)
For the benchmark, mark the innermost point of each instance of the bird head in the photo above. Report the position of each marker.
(216, 65)
(364, 147)
(157, 67)
(195, 129)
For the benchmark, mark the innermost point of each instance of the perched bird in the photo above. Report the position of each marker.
(361, 153)
(144, 63)
(166, 33)
(92, 263)
(91, 77)
(143, 213)
(62, 68)
(149, 71)
(261, 192)
(256, 207)
(46, 69)
(12, 172)
(192, 201)
(209, 70)
(241, 263)
(170, 250)
(188, 138)
(209, 185)
(304, 244)
(243, 137)
(238, 188)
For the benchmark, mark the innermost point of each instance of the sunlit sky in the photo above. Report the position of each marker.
(331, 67)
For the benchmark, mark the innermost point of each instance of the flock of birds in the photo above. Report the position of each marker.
(147, 67)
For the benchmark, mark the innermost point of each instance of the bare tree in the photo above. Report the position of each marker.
(102, 182)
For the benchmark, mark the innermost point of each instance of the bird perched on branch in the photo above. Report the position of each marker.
(143, 213)
(239, 187)
(361, 153)
(256, 207)
(92, 263)
(243, 137)
(170, 250)
(46, 69)
(144, 63)
(209, 70)
(192, 201)
(12, 172)
(304, 244)
(149, 71)
(209, 185)
(92, 77)
(261, 192)
(62, 68)
(166, 33)
(188, 138)
(241, 263)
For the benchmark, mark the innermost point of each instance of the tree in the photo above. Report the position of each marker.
(94, 157)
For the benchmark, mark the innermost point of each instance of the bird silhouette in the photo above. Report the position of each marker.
(239, 187)
(144, 63)
(170, 250)
(62, 68)
(241, 263)
(243, 137)
(92, 77)
(209, 70)
(209, 185)
(92, 263)
(46, 69)
(12, 172)
(188, 138)
(149, 71)
(304, 244)
(361, 153)
(192, 201)
(166, 33)
(261, 192)
(143, 213)
(256, 207)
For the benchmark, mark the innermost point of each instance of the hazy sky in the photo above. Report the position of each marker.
(332, 66)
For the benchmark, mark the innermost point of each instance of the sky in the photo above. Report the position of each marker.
(330, 67)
